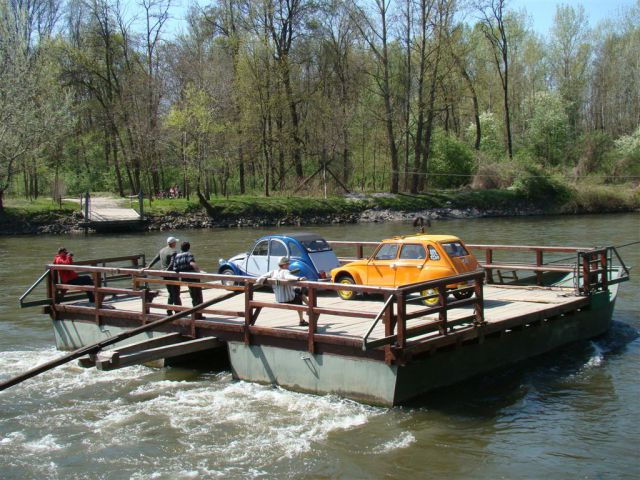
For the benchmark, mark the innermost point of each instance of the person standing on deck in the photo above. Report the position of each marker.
(70, 277)
(185, 262)
(285, 293)
(164, 256)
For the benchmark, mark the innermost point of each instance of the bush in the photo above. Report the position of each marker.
(451, 162)
(537, 186)
(626, 160)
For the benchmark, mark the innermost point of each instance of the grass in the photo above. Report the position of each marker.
(582, 199)
(15, 207)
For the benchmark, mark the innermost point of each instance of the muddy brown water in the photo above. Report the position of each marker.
(569, 414)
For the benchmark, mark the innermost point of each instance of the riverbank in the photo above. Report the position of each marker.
(247, 211)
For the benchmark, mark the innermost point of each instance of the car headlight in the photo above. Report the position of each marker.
(221, 261)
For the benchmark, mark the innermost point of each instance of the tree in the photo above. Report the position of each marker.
(33, 110)
(376, 36)
(569, 53)
(494, 28)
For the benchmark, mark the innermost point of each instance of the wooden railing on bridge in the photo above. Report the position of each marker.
(585, 262)
(400, 338)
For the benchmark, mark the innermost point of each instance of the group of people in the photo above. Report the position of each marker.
(171, 192)
(183, 261)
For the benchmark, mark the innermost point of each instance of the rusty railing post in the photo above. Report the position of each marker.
(488, 258)
(312, 298)
(401, 322)
(248, 311)
(442, 315)
(97, 296)
(388, 330)
(478, 306)
(539, 261)
(604, 269)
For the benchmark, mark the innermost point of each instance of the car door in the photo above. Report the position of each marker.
(380, 268)
(258, 259)
(410, 263)
(277, 250)
(460, 258)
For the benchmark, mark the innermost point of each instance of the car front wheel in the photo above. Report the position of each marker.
(228, 271)
(346, 294)
(433, 300)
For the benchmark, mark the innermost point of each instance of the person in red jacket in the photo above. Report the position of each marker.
(70, 277)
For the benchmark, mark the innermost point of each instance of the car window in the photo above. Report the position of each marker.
(295, 250)
(412, 252)
(455, 249)
(278, 249)
(261, 248)
(387, 251)
(433, 253)
(316, 245)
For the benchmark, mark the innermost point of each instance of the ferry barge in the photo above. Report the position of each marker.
(384, 348)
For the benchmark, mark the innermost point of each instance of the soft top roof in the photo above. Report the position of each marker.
(423, 237)
(303, 236)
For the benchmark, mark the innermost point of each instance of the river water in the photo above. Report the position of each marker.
(572, 413)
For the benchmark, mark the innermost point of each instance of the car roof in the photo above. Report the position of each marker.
(299, 236)
(423, 237)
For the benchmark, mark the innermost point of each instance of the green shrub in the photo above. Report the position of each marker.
(539, 187)
(452, 162)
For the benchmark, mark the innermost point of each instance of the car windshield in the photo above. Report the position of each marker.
(455, 249)
(315, 245)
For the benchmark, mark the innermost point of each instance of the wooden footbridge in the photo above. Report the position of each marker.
(390, 327)
(103, 214)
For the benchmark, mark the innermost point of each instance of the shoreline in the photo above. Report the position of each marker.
(65, 223)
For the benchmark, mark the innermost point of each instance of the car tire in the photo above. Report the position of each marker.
(346, 294)
(430, 302)
(463, 295)
(228, 271)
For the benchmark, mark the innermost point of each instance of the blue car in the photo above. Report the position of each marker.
(311, 257)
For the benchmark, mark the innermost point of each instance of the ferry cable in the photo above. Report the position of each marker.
(571, 258)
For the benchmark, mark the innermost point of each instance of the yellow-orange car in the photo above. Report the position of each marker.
(410, 259)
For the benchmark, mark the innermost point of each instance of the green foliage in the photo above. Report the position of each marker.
(602, 198)
(592, 153)
(536, 185)
(491, 143)
(451, 162)
(547, 134)
(627, 156)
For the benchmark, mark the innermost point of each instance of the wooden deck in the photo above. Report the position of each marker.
(503, 304)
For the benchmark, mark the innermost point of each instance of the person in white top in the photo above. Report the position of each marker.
(285, 293)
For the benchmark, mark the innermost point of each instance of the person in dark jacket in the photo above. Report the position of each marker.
(186, 262)
(165, 256)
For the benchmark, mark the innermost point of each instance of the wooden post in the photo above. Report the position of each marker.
(87, 199)
(97, 296)
(359, 251)
(586, 272)
(401, 323)
(388, 330)
(442, 316)
(539, 261)
(313, 319)
(141, 205)
(248, 311)
(478, 306)
(488, 261)
(603, 267)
